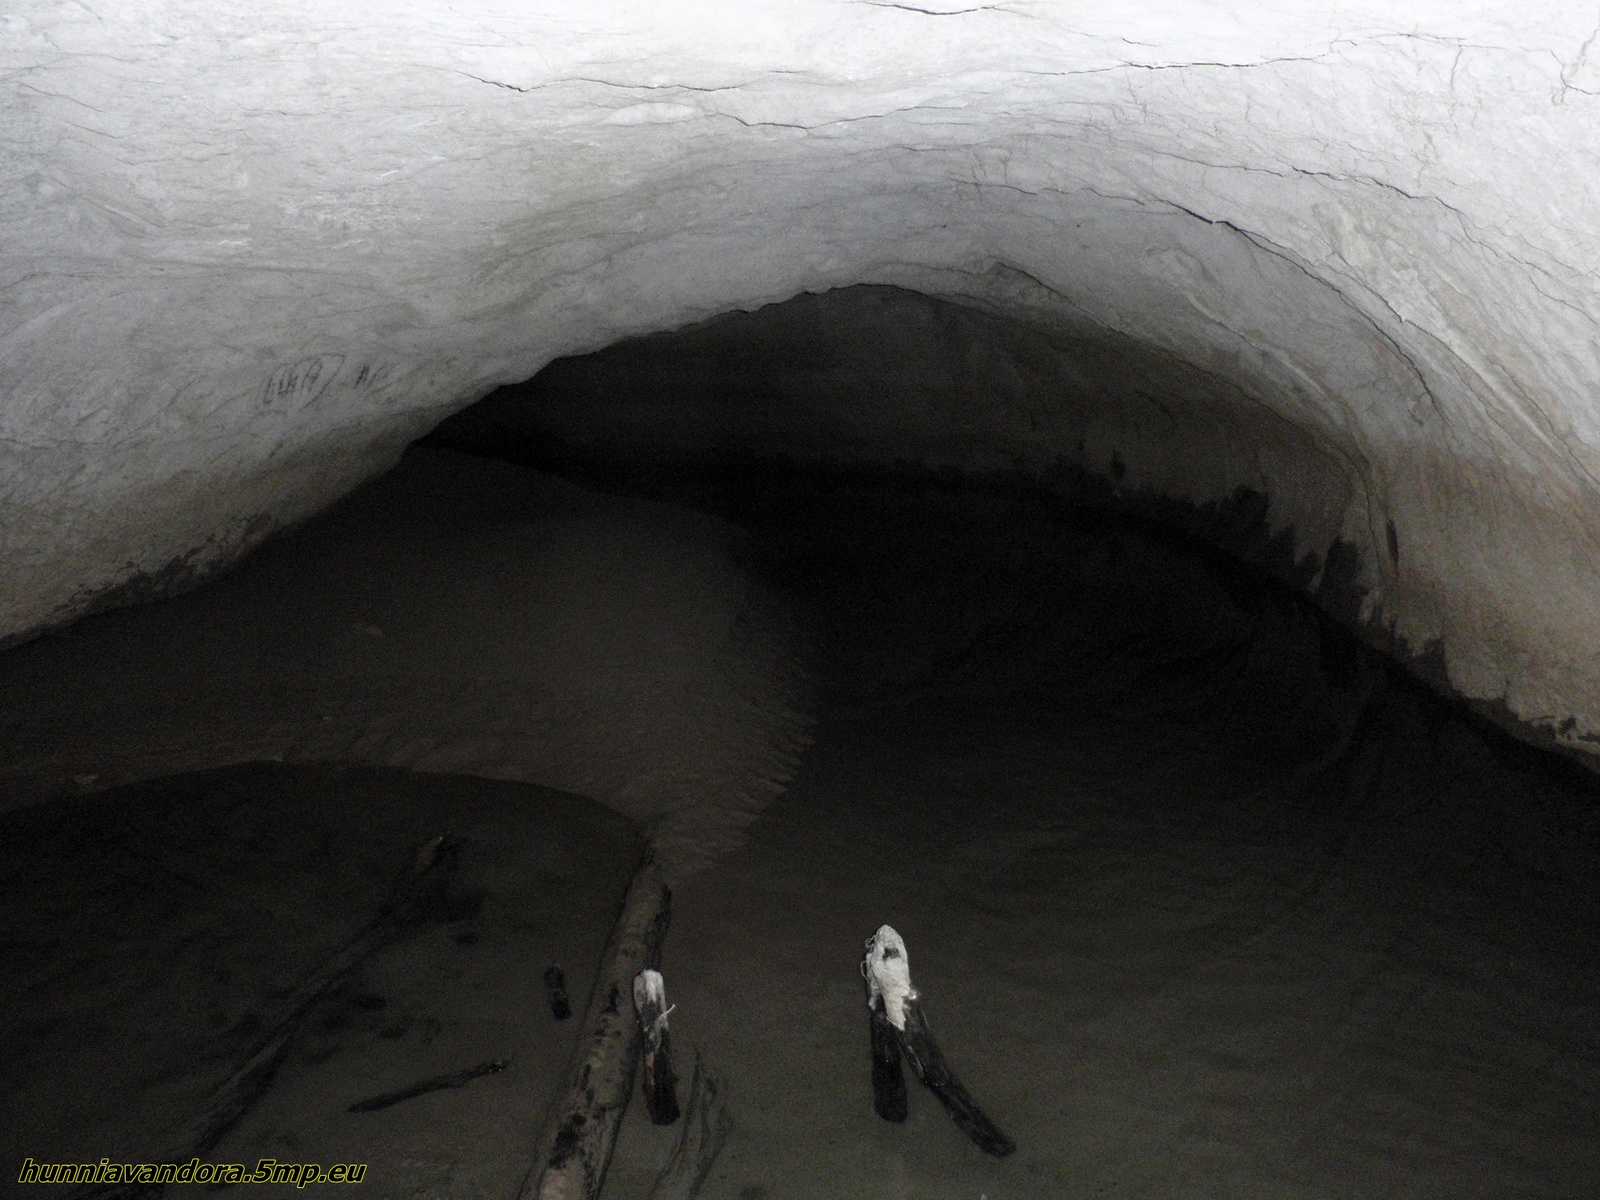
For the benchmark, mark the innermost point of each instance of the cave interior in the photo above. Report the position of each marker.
(1206, 890)
(1113, 494)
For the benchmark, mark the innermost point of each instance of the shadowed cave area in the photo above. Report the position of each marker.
(1205, 895)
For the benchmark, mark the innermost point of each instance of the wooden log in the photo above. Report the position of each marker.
(660, 1084)
(555, 987)
(577, 1143)
(887, 969)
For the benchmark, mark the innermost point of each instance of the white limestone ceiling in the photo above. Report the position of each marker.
(249, 250)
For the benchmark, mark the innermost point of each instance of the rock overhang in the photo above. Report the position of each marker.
(252, 252)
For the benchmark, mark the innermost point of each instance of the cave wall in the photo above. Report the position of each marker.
(251, 251)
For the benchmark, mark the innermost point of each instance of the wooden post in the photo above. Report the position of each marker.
(660, 1084)
(577, 1144)
(887, 968)
(888, 1080)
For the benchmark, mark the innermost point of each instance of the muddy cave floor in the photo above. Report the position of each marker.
(1202, 901)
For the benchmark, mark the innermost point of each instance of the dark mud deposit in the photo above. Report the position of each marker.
(154, 934)
(1203, 900)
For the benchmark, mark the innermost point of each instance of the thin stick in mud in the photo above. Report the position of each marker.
(435, 1083)
(706, 1125)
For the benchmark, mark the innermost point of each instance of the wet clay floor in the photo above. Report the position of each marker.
(1162, 970)
(1202, 899)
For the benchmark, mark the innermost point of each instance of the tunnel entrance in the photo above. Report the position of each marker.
(1205, 898)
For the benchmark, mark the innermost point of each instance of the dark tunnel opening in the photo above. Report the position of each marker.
(1039, 589)
(1205, 896)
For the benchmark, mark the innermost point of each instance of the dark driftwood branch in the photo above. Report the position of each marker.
(577, 1145)
(555, 986)
(436, 1083)
(418, 893)
(926, 1060)
(706, 1126)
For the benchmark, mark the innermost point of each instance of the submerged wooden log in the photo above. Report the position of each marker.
(929, 1064)
(577, 1144)
(660, 1084)
(897, 1017)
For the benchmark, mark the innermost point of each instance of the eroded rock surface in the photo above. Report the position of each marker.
(249, 255)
